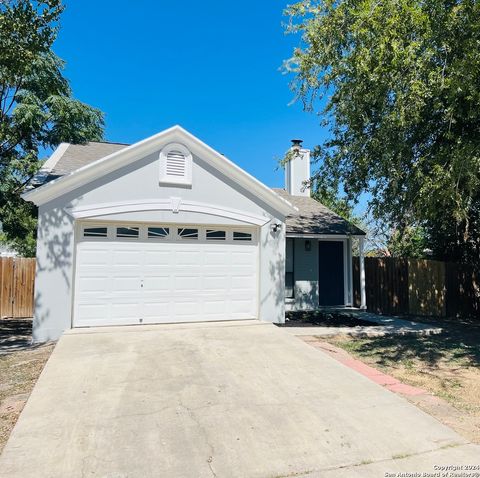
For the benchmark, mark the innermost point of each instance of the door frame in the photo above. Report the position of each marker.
(344, 241)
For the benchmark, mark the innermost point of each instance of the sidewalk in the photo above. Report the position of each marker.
(386, 325)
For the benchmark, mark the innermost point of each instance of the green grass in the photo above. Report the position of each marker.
(457, 345)
(445, 363)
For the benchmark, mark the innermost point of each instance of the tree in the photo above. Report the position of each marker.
(327, 194)
(397, 82)
(410, 242)
(37, 110)
(331, 198)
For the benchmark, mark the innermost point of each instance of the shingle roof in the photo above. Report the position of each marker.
(78, 155)
(72, 157)
(314, 218)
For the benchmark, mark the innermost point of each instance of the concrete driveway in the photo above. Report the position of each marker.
(216, 400)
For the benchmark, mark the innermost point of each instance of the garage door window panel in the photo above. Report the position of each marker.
(242, 236)
(214, 235)
(127, 232)
(158, 232)
(95, 232)
(187, 233)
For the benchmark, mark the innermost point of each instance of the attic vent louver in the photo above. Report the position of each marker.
(175, 165)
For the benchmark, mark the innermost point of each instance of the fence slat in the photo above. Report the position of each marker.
(386, 284)
(426, 281)
(6, 287)
(418, 287)
(462, 290)
(17, 281)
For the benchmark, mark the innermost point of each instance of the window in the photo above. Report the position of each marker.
(158, 232)
(289, 276)
(128, 232)
(95, 232)
(186, 233)
(175, 165)
(242, 236)
(213, 235)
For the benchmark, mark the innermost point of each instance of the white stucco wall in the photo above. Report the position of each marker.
(140, 181)
(53, 281)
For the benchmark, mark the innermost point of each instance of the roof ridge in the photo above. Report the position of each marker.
(102, 142)
(108, 163)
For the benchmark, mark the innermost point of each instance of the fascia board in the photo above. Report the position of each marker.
(114, 161)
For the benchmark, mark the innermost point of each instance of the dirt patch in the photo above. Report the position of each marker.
(19, 372)
(447, 365)
(15, 334)
(317, 318)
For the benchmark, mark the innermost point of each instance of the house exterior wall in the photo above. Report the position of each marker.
(135, 182)
(53, 277)
(306, 270)
(305, 273)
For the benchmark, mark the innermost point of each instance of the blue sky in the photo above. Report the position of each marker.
(211, 66)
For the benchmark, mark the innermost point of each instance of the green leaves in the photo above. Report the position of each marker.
(397, 81)
(37, 109)
(27, 30)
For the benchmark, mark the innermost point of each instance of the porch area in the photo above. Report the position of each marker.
(319, 272)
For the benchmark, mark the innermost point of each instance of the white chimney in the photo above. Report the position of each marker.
(297, 170)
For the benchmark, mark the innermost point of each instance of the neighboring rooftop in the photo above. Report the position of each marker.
(314, 218)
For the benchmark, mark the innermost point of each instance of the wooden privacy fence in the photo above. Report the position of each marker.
(418, 287)
(17, 280)
(393, 286)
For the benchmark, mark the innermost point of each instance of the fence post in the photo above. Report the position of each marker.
(363, 295)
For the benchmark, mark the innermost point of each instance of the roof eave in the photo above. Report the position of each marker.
(307, 234)
(111, 162)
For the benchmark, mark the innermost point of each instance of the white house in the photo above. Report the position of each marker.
(169, 230)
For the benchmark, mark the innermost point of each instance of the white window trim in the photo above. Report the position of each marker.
(241, 239)
(173, 233)
(180, 238)
(216, 229)
(94, 226)
(165, 178)
(158, 238)
(127, 237)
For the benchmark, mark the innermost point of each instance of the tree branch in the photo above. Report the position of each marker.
(14, 95)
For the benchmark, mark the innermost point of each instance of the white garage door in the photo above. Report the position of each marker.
(131, 274)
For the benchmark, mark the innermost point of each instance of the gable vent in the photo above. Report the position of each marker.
(175, 163)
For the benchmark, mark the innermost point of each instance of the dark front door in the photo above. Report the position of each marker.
(330, 273)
